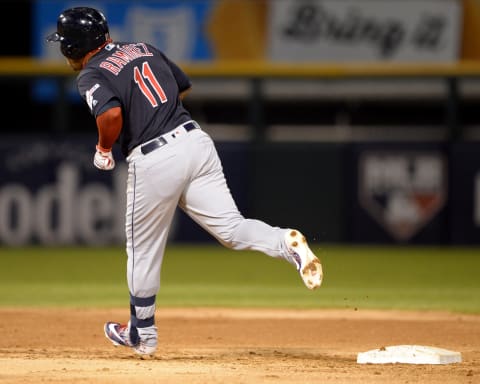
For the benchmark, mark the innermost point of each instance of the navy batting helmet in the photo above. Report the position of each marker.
(79, 31)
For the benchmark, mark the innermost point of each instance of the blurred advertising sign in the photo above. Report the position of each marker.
(176, 27)
(402, 190)
(365, 30)
(471, 30)
(51, 194)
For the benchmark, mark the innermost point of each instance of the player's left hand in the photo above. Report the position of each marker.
(103, 159)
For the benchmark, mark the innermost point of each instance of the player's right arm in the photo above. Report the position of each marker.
(109, 124)
(106, 108)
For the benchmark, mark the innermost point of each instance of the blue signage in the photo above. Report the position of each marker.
(175, 27)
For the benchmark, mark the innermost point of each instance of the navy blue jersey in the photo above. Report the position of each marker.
(143, 82)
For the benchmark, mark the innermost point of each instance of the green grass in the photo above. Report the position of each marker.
(420, 278)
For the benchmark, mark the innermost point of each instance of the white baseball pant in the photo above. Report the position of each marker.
(187, 172)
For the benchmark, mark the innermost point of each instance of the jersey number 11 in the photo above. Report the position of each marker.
(148, 74)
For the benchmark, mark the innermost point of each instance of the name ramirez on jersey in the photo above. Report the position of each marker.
(122, 55)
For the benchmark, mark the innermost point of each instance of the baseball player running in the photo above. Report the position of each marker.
(135, 94)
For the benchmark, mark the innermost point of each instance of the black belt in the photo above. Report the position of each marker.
(160, 141)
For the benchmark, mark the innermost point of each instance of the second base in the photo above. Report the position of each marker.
(409, 354)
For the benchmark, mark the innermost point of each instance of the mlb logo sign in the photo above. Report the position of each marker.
(402, 190)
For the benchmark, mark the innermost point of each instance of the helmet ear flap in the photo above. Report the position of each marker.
(70, 50)
(66, 49)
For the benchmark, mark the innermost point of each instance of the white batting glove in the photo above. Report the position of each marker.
(103, 159)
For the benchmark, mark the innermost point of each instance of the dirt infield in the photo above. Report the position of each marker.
(235, 346)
